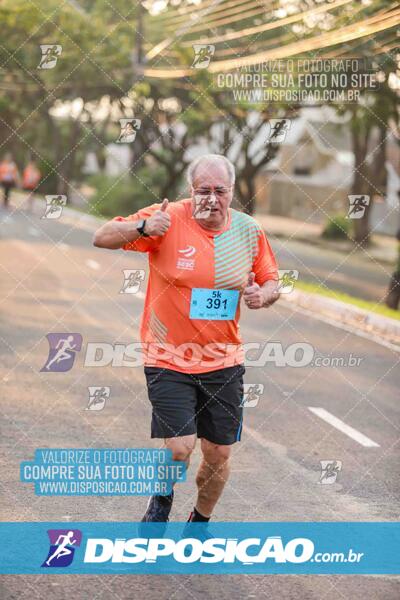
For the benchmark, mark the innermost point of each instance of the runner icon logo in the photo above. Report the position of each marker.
(97, 397)
(132, 280)
(251, 394)
(202, 55)
(329, 471)
(50, 54)
(129, 128)
(278, 129)
(63, 543)
(54, 206)
(287, 280)
(357, 206)
(63, 347)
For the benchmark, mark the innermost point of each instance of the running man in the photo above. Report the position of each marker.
(62, 542)
(200, 268)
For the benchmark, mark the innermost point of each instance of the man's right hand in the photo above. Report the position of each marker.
(160, 222)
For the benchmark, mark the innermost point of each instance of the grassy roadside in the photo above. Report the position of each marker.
(379, 309)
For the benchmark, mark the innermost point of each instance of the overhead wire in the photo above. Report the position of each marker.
(359, 29)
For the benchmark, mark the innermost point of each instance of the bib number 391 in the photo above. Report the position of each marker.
(214, 305)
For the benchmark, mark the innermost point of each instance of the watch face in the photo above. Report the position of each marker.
(140, 224)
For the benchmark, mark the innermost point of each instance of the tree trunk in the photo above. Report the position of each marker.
(246, 192)
(360, 185)
(66, 165)
(392, 299)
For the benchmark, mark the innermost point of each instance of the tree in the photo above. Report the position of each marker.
(94, 62)
(371, 119)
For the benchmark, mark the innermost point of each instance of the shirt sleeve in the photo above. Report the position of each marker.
(142, 244)
(265, 267)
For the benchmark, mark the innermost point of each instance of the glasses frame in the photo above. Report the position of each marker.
(222, 191)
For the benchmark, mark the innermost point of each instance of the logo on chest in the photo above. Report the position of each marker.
(186, 259)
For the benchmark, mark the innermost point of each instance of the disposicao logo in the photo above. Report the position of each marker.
(62, 547)
(62, 350)
(190, 550)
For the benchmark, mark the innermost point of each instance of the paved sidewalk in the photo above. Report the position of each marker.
(383, 247)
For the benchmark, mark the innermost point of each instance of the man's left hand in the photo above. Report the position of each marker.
(253, 294)
(256, 297)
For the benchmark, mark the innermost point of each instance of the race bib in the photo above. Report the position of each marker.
(214, 305)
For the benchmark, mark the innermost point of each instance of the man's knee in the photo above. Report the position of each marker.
(215, 454)
(181, 447)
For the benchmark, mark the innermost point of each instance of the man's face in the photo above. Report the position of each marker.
(211, 194)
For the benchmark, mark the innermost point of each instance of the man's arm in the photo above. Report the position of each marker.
(115, 234)
(270, 292)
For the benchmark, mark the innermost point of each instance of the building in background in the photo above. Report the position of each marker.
(312, 174)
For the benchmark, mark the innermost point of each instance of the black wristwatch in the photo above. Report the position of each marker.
(140, 227)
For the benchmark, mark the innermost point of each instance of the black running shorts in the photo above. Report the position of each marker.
(206, 404)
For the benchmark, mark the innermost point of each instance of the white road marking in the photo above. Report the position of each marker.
(93, 264)
(33, 231)
(343, 427)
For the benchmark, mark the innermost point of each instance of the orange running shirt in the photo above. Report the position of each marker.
(30, 177)
(188, 257)
(8, 172)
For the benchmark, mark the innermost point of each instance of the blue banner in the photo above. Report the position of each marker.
(103, 471)
(214, 548)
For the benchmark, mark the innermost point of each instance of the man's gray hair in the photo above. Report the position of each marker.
(209, 158)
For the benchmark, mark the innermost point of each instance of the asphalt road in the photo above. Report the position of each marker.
(52, 279)
(358, 274)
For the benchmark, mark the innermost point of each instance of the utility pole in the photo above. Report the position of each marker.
(137, 59)
(137, 54)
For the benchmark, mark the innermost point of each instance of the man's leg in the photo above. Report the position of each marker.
(219, 425)
(6, 192)
(182, 447)
(159, 507)
(212, 475)
(173, 398)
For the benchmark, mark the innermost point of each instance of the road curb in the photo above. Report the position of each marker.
(347, 314)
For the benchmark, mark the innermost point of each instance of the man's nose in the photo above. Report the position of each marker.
(212, 199)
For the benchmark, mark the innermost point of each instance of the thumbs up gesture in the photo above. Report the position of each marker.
(160, 222)
(253, 294)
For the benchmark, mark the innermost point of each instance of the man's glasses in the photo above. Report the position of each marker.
(219, 191)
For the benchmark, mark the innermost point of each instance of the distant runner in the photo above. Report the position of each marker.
(204, 257)
(8, 177)
(30, 180)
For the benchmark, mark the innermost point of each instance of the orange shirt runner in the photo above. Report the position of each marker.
(8, 172)
(187, 257)
(30, 177)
